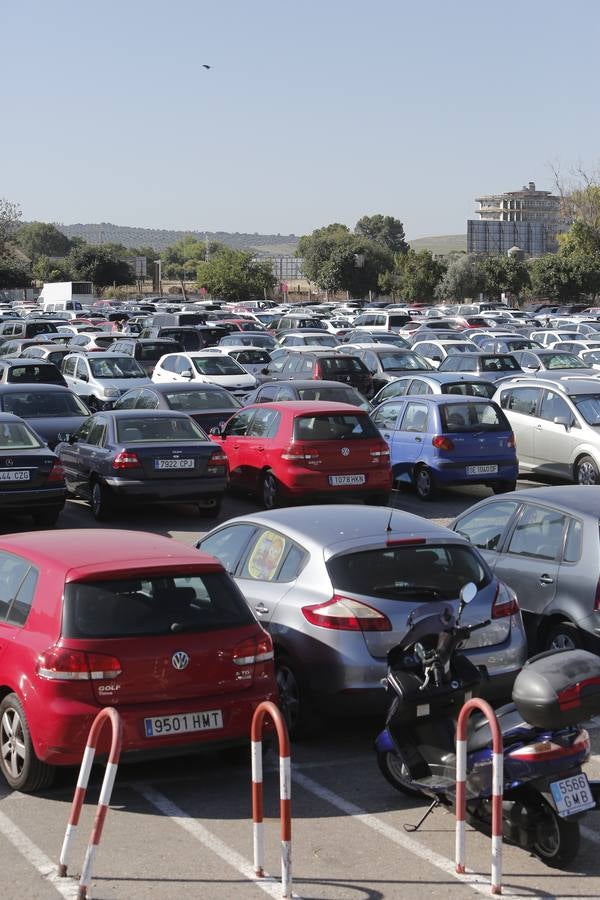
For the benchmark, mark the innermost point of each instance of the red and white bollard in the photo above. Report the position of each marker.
(497, 788)
(285, 793)
(110, 714)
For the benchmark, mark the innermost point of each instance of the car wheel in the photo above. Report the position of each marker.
(210, 512)
(18, 762)
(425, 485)
(564, 636)
(297, 711)
(586, 471)
(504, 487)
(46, 519)
(271, 492)
(101, 502)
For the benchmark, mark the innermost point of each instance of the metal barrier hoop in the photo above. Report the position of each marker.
(497, 788)
(285, 784)
(110, 714)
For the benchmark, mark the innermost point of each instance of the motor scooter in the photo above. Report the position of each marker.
(545, 791)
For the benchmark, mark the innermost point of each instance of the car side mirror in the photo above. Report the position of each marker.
(265, 371)
(468, 592)
(216, 431)
(84, 377)
(187, 374)
(435, 358)
(563, 420)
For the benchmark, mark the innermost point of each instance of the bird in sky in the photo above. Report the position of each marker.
(204, 66)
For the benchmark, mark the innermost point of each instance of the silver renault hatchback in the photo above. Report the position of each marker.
(334, 585)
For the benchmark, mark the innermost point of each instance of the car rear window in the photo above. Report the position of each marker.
(159, 604)
(17, 436)
(339, 394)
(195, 400)
(337, 364)
(42, 404)
(463, 417)
(217, 365)
(411, 573)
(159, 429)
(116, 367)
(189, 340)
(498, 364)
(470, 388)
(43, 374)
(340, 427)
(153, 351)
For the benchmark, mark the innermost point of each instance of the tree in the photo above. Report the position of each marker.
(504, 274)
(13, 274)
(417, 275)
(384, 230)
(47, 270)
(99, 265)
(181, 259)
(42, 239)
(235, 275)
(581, 239)
(316, 248)
(337, 260)
(10, 214)
(464, 278)
(562, 278)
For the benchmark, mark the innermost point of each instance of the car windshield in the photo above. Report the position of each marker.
(463, 417)
(323, 340)
(17, 436)
(193, 400)
(251, 357)
(158, 429)
(562, 361)
(498, 364)
(217, 365)
(153, 605)
(42, 374)
(408, 573)
(402, 361)
(470, 389)
(591, 357)
(43, 404)
(342, 427)
(589, 407)
(116, 367)
(334, 365)
(152, 351)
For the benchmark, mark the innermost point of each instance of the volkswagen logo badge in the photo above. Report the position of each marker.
(180, 660)
(345, 451)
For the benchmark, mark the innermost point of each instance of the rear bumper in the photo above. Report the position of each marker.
(42, 498)
(185, 490)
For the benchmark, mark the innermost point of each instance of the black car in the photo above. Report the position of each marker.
(139, 455)
(328, 365)
(189, 336)
(31, 476)
(24, 371)
(54, 412)
(207, 404)
(493, 366)
(387, 362)
(147, 351)
(330, 391)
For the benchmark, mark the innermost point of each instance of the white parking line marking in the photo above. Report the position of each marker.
(269, 885)
(66, 887)
(479, 883)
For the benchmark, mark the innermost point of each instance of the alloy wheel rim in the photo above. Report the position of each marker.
(398, 769)
(423, 482)
(587, 474)
(12, 743)
(563, 642)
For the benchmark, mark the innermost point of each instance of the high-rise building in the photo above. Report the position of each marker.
(528, 219)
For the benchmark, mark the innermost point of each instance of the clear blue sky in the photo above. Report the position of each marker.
(313, 112)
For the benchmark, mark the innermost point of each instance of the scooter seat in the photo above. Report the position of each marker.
(509, 719)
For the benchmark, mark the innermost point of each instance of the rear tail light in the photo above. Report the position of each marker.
(317, 371)
(511, 442)
(57, 473)
(308, 456)
(345, 614)
(381, 455)
(217, 463)
(253, 651)
(126, 460)
(62, 664)
(543, 751)
(442, 443)
(505, 602)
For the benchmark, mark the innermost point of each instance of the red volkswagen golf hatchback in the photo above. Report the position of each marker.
(301, 449)
(117, 618)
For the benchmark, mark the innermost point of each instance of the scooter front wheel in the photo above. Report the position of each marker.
(557, 840)
(394, 770)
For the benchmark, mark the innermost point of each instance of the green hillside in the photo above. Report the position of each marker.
(440, 243)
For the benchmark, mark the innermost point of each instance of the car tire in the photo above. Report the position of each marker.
(424, 482)
(46, 519)
(586, 471)
(564, 636)
(210, 512)
(101, 502)
(298, 712)
(504, 487)
(18, 763)
(270, 490)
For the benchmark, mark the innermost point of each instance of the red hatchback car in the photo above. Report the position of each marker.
(300, 449)
(91, 618)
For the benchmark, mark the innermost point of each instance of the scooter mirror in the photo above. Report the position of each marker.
(468, 592)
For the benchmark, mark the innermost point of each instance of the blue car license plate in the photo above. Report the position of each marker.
(572, 795)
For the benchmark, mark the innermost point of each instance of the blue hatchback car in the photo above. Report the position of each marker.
(440, 440)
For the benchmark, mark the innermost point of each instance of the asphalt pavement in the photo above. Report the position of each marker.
(183, 827)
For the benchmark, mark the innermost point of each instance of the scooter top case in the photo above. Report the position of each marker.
(558, 688)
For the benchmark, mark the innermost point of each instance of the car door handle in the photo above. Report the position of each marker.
(419, 440)
(260, 449)
(539, 428)
(236, 446)
(546, 579)
(261, 609)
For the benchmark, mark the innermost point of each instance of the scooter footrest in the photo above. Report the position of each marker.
(435, 783)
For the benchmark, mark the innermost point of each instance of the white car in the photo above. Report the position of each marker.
(437, 351)
(253, 359)
(205, 367)
(101, 378)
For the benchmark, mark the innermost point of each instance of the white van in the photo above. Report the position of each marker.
(59, 296)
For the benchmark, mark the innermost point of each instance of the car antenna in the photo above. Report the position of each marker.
(388, 527)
